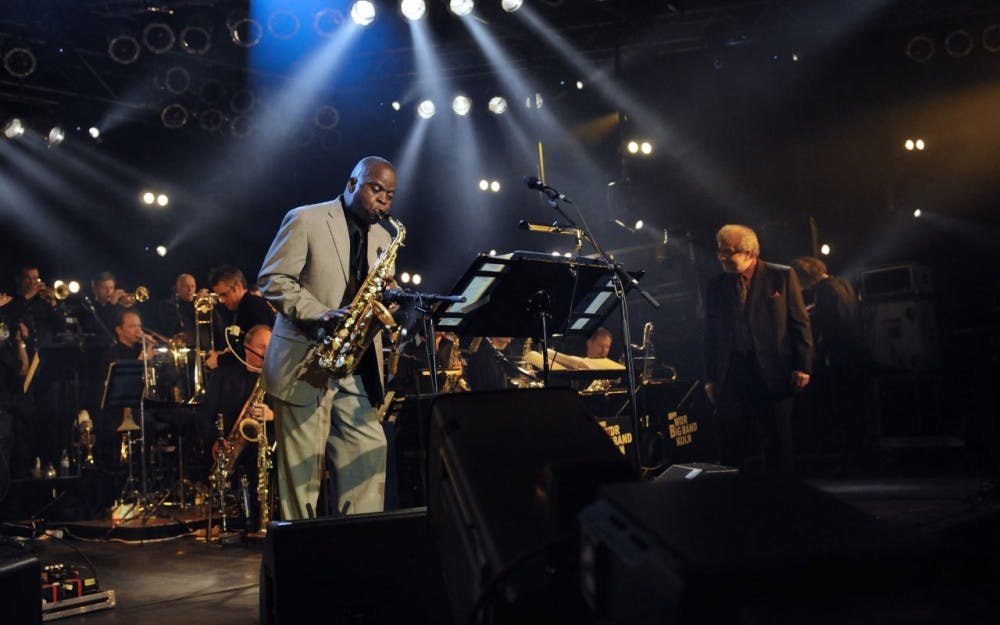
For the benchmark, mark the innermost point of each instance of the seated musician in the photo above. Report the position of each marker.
(487, 365)
(596, 359)
(411, 376)
(128, 346)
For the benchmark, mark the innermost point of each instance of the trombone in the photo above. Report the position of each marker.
(204, 306)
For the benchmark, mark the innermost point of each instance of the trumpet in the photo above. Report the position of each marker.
(141, 294)
(61, 289)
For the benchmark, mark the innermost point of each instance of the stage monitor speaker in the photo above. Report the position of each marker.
(696, 470)
(365, 569)
(20, 583)
(741, 550)
(508, 473)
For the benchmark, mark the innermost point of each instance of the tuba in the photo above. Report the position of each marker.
(344, 345)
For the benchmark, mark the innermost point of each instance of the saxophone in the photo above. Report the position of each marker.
(254, 431)
(344, 345)
(236, 442)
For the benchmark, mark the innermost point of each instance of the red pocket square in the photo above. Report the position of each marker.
(776, 294)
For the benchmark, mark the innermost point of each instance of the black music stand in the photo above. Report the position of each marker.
(124, 388)
(531, 295)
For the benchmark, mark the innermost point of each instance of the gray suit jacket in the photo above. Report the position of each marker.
(304, 275)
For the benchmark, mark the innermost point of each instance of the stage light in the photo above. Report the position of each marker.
(244, 31)
(461, 7)
(124, 49)
(174, 116)
(56, 136)
(426, 109)
(363, 12)
(568, 255)
(492, 252)
(539, 101)
(242, 101)
(484, 184)
(13, 128)
(396, 105)
(638, 224)
(795, 57)
(74, 286)
(511, 5)
(327, 117)
(920, 49)
(416, 279)
(919, 144)
(461, 105)
(404, 278)
(413, 10)
(94, 132)
(241, 126)
(959, 43)
(20, 62)
(283, 24)
(161, 250)
(633, 147)
(991, 38)
(162, 199)
(824, 249)
(909, 144)
(158, 37)
(148, 198)
(646, 148)
(326, 22)
(498, 105)
(579, 85)
(555, 253)
(917, 213)
(195, 39)
(495, 186)
(211, 120)
(177, 80)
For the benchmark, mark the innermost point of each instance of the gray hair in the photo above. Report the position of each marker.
(745, 238)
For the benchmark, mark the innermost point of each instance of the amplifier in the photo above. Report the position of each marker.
(741, 550)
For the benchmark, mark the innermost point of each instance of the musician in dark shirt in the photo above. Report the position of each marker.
(237, 307)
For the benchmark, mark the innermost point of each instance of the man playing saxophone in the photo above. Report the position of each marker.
(320, 256)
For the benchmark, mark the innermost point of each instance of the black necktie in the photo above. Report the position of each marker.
(741, 292)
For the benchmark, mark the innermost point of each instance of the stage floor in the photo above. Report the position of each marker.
(186, 581)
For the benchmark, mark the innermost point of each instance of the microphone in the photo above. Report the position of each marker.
(534, 183)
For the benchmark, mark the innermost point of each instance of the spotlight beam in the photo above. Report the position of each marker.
(515, 82)
(684, 152)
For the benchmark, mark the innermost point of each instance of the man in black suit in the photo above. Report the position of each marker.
(758, 352)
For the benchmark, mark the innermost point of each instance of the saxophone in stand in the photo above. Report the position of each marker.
(236, 442)
(342, 348)
(254, 431)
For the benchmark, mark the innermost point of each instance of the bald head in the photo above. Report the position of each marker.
(186, 287)
(370, 189)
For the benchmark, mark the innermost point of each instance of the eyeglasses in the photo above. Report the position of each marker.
(726, 253)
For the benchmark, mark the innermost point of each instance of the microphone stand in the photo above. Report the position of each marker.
(620, 279)
(100, 323)
(423, 303)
